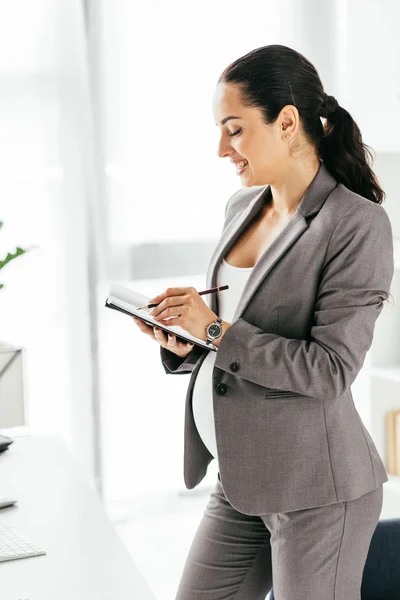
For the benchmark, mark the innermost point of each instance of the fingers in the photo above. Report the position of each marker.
(160, 337)
(165, 339)
(179, 348)
(154, 332)
(173, 343)
(148, 329)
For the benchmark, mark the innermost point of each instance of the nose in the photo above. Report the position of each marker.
(224, 150)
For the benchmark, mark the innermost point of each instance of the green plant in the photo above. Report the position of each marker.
(18, 252)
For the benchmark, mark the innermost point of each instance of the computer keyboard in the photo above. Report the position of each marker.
(12, 546)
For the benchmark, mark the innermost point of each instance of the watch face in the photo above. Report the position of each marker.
(214, 329)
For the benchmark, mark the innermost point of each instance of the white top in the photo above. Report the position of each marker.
(203, 410)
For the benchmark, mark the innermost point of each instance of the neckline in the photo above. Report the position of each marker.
(234, 267)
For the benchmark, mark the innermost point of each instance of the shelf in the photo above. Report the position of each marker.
(396, 252)
(393, 484)
(391, 372)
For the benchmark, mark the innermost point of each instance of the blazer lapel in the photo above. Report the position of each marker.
(316, 194)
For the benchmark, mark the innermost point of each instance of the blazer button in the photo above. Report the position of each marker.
(234, 366)
(222, 389)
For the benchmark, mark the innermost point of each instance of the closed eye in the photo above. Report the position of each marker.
(234, 133)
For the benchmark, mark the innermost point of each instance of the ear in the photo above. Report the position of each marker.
(289, 120)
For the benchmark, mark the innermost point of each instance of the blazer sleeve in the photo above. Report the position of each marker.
(176, 365)
(354, 282)
(173, 363)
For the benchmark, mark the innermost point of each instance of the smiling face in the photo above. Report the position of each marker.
(249, 138)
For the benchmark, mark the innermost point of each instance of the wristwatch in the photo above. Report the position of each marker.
(214, 330)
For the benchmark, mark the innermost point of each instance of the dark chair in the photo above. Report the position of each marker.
(381, 576)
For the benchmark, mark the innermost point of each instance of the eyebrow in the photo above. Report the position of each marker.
(227, 119)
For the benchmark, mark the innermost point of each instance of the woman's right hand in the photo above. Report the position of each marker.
(165, 339)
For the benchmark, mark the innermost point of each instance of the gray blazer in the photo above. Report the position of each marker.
(288, 434)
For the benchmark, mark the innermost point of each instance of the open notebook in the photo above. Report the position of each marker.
(127, 301)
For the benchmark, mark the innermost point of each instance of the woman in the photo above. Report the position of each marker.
(307, 252)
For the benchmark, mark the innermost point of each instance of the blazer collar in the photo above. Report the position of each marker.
(315, 196)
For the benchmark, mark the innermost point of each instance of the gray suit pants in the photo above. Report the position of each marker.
(316, 553)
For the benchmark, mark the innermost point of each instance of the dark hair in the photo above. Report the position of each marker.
(271, 77)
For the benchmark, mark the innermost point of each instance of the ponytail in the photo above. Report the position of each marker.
(344, 154)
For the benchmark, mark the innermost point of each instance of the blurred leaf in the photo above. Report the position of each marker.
(11, 256)
(18, 252)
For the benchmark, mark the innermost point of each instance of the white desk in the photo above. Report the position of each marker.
(57, 508)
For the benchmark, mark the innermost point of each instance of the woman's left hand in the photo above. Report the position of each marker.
(188, 309)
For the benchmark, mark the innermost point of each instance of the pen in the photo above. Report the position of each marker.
(210, 291)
